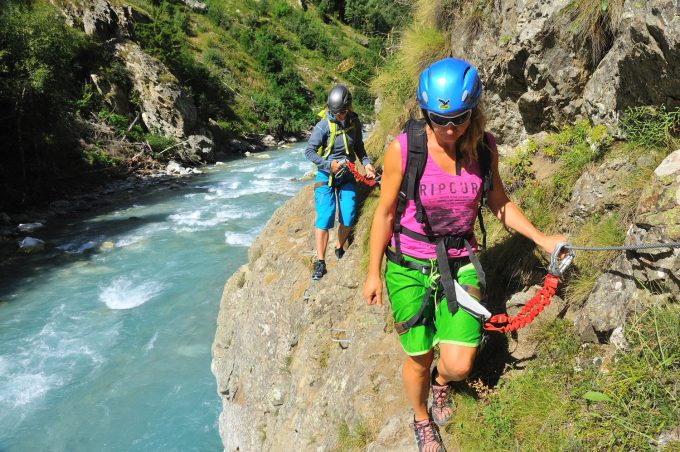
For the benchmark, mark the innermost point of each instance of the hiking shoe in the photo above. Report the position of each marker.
(427, 434)
(442, 405)
(339, 252)
(319, 270)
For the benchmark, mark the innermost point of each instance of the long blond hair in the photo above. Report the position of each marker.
(473, 134)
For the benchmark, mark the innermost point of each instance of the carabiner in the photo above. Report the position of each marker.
(558, 267)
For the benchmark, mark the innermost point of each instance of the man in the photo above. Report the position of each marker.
(336, 139)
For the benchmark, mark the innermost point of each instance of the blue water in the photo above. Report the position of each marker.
(105, 339)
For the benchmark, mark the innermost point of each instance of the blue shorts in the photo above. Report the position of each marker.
(325, 198)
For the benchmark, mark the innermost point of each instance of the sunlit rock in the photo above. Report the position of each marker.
(31, 245)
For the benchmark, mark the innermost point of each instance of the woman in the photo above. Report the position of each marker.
(337, 138)
(449, 190)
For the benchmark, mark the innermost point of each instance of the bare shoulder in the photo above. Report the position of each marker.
(393, 154)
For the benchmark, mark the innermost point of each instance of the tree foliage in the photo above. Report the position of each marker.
(166, 37)
(39, 69)
(373, 17)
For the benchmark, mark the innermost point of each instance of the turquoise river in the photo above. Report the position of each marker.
(105, 338)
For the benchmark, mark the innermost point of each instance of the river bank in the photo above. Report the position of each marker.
(109, 188)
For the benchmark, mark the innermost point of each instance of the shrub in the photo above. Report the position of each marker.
(652, 127)
(121, 124)
(98, 157)
(213, 56)
(520, 170)
(281, 8)
(159, 143)
(269, 53)
(89, 99)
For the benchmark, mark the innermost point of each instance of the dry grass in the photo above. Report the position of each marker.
(421, 44)
(594, 23)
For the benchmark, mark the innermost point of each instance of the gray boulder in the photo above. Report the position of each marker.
(657, 220)
(196, 5)
(99, 18)
(112, 93)
(599, 190)
(201, 145)
(643, 65)
(608, 303)
(31, 245)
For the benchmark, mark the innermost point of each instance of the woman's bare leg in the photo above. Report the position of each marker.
(416, 378)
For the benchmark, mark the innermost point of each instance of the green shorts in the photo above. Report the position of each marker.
(406, 289)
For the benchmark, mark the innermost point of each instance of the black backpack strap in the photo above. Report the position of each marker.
(416, 156)
(484, 161)
(415, 164)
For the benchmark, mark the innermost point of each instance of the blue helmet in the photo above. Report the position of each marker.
(449, 86)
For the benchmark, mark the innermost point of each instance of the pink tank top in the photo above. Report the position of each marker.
(450, 204)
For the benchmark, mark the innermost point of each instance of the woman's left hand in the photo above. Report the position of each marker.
(370, 171)
(549, 242)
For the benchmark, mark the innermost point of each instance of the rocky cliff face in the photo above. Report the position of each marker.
(647, 277)
(538, 73)
(295, 360)
(165, 107)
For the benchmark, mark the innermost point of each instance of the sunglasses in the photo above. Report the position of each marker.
(444, 121)
(340, 113)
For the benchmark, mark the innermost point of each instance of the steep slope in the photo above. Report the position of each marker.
(539, 388)
(300, 381)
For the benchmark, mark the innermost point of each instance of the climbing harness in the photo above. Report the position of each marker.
(333, 132)
(416, 157)
(503, 323)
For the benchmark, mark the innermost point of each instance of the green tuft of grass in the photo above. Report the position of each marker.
(420, 45)
(355, 437)
(651, 127)
(159, 143)
(594, 24)
(609, 230)
(99, 158)
(285, 364)
(642, 385)
(582, 398)
(530, 411)
(520, 172)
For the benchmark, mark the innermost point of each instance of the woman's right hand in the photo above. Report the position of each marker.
(335, 166)
(372, 291)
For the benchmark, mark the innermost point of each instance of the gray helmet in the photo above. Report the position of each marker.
(339, 99)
